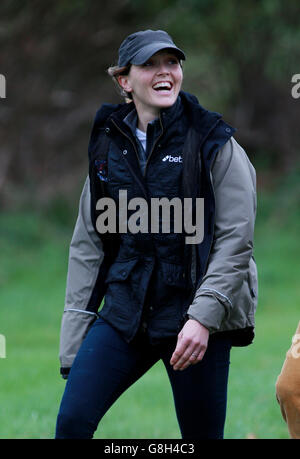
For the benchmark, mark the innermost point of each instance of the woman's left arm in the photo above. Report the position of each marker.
(234, 182)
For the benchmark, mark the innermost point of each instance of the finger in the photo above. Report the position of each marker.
(195, 357)
(183, 351)
(184, 359)
(177, 356)
(179, 350)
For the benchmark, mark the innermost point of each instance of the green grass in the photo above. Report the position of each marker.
(34, 250)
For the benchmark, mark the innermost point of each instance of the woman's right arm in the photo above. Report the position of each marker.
(85, 258)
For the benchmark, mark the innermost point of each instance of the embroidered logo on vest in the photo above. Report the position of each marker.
(101, 166)
(173, 159)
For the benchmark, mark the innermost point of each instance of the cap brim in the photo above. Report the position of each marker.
(144, 54)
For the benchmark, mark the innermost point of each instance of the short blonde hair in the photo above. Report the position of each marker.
(114, 72)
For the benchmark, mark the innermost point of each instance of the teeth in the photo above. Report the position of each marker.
(162, 84)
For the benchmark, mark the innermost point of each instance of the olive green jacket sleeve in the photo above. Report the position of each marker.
(85, 258)
(227, 296)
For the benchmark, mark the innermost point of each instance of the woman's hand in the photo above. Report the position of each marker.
(191, 345)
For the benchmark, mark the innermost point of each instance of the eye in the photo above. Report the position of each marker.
(173, 61)
(148, 63)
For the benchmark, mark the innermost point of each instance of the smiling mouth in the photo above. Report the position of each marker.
(162, 86)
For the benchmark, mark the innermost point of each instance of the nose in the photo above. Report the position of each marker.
(163, 69)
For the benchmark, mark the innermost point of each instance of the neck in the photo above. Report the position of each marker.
(145, 116)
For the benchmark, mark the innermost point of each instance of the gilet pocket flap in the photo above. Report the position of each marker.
(173, 275)
(120, 270)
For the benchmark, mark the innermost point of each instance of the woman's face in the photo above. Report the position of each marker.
(154, 84)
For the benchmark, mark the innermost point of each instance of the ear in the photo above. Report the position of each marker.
(123, 81)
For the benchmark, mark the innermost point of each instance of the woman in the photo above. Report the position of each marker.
(185, 301)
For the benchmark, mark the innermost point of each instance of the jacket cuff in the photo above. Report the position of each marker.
(207, 310)
(74, 327)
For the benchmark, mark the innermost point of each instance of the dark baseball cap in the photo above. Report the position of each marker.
(138, 47)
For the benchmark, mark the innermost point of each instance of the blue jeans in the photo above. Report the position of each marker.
(106, 365)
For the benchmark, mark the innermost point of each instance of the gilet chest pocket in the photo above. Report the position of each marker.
(120, 270)
(173, 275)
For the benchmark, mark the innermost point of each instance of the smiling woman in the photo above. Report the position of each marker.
(153, 85)
(182, 300)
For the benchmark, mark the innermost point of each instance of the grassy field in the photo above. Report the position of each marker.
(34, 250)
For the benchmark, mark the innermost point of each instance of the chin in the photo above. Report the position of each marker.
(167, 102)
